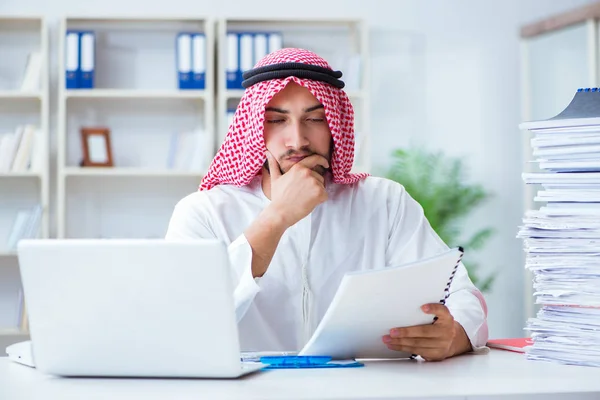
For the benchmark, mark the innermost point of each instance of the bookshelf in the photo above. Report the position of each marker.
(137, 97)
(24, 179)
(559, 54)
(342, 42)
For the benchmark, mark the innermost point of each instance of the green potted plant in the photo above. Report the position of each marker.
(438, 183)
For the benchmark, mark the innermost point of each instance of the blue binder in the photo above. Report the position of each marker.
(246, 44)
(184, 60)
(244, 50)
(232, 64)
(87, 45)
(261, 45)
(275, 40)
(72, 59)
(198, 61)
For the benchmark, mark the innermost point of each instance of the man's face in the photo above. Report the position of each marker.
(296, 127)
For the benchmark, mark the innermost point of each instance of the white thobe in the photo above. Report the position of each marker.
(368, 225)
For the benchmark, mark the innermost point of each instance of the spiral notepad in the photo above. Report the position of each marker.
(360, 312)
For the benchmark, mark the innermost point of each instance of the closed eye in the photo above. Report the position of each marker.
(274, 121)
(316, 119)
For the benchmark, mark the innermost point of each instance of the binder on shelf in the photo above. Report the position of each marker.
(72, 51)
(244, 50)
(232, 62)
(198, 61)
(275, 41)
(261, 46)
(87, 45)
(246, 55)
(184, 60)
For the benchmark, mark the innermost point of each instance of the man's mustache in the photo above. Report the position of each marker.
(296, 153)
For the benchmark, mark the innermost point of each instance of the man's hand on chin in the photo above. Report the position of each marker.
(433, 342)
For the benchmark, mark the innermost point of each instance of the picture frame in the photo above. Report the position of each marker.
(97, 151)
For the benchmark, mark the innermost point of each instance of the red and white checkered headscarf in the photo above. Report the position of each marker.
(242, 154)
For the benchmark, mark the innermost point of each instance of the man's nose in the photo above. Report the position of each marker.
(296, 137)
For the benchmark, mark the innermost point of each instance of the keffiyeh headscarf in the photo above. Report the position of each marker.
(242, 154)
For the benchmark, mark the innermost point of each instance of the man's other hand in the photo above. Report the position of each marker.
(434, 342)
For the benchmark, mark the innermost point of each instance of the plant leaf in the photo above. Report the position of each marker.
(439, 184)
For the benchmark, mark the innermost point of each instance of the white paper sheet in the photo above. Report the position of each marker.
(360, 313)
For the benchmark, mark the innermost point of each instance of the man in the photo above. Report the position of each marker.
(280, 194)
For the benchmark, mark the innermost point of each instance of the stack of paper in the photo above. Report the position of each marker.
(562, 237)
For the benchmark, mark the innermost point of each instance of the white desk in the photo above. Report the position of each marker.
(472, 376)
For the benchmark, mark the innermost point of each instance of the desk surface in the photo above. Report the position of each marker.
(497, 373)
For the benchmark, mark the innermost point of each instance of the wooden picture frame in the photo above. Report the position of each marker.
(96, 146)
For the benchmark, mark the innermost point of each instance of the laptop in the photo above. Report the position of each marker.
(131, 308)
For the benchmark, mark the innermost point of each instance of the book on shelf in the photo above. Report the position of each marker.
(25, 226)
(561, 237)
(33, 69)
(21, 150)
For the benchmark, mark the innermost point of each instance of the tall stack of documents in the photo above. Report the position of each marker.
(562, 237)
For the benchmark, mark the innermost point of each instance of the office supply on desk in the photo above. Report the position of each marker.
(561, 238)
(297, 362)
(360, 313)
(131, 307)
(255, 356)
(517, 345)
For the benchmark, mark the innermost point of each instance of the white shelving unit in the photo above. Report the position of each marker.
(336, 40)
(19, 36)
(135, 96)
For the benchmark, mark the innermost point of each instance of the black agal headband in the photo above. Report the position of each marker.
(299, 70)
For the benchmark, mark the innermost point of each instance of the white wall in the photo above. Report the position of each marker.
(444, 72)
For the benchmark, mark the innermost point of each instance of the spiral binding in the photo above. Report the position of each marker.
(447, 290)
(588, 90)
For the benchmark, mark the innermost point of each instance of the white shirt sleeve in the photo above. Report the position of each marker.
(189, 221)
(411, 238)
